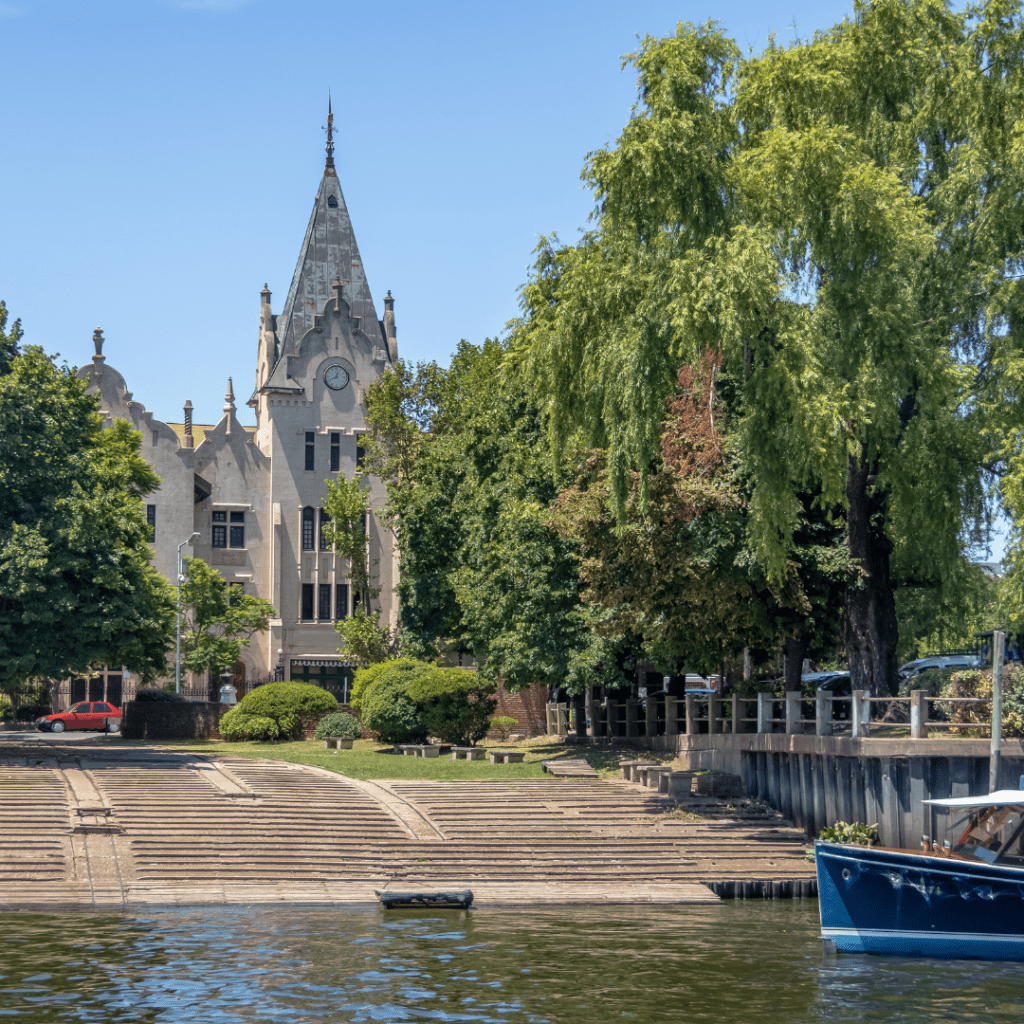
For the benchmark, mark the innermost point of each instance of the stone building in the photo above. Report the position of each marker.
(254, 494)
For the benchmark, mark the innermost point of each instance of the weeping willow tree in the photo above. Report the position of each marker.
(838, 223)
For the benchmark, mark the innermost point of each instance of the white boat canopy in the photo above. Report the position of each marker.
(1000, 798)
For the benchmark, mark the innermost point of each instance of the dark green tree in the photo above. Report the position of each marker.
(76, 585)
(480, 569)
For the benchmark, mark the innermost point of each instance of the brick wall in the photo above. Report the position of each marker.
(527, 707)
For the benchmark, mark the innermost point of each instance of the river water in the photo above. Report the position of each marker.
(744, 962)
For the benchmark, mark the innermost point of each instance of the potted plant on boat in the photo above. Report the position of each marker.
(338, 730)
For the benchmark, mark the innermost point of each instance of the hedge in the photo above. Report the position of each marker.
(287, 704)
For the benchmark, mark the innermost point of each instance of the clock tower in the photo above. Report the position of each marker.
(314, 360)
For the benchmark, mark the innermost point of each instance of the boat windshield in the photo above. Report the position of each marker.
(994, 834)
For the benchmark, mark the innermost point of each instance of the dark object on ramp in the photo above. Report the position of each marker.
(456, 899)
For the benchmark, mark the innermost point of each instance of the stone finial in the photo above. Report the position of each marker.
(229, 407)
(265, 293)
(97, 340)
(389, 321)
(337, 287)
(190, 441)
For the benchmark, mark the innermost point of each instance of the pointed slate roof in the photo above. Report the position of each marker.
(328, 250)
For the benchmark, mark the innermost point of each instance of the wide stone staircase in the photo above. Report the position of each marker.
(34, 845)
(144, 827)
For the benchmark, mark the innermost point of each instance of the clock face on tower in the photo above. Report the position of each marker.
(336, 377)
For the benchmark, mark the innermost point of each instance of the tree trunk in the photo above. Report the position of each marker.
(794, 649)
(870, 627)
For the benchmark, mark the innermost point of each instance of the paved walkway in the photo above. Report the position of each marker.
(105, 827)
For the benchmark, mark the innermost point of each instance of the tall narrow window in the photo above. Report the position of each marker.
(325, 533)
(238, 529)
(335, 452)
(307, 601)
(151, 521)
(219, 539)
(310, 448)
(325, 602)
(341, 600)
(360, 453)
(308, 528)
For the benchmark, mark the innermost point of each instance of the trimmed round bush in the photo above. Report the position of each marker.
(287, 704)
(340, 724)
(155, 695)
(385, 705)
(455, 705)
(236, 726)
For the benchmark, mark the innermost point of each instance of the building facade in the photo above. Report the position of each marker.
(254, 495)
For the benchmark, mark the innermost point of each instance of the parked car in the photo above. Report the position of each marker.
(89, 715)
(914, 668)
(838, 684)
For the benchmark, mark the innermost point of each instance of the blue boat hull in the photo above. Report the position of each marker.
(875, 900)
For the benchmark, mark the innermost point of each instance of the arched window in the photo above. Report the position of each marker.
(308, 528)
(332, 201)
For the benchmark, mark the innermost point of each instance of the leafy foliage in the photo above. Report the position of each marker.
(681, 574)
(855, 832)
(480, 569)
(366, 640)
(503, 725)
(338, 724)
(287, 705)
(972, 718)
(76, 584)
(455, 705)
(361, 682)
(385, 704)
(236, 727)
(217, 620)
(157, 695)
(838, 223)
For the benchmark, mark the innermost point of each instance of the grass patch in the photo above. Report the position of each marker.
(368, 759)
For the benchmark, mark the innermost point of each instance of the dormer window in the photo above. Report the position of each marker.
(332, 201)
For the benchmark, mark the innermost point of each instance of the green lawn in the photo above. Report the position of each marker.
(369, 760)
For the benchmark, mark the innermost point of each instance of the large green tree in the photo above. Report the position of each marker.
(839, 222)
(480, 568)
(217, 620)
(76, 584)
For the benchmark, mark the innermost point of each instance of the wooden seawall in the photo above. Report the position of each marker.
(817, 780)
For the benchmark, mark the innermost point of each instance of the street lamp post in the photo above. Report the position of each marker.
(177, 636)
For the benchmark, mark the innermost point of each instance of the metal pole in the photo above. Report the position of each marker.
(998, 646)
(177, 631)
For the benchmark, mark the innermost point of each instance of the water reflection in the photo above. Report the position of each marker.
(753, 962)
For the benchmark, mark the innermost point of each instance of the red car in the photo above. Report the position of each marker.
(91, 715)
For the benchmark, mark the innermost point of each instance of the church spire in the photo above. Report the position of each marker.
(329, 253)
(330, 136)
